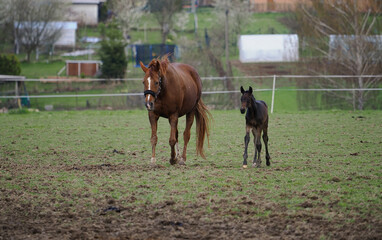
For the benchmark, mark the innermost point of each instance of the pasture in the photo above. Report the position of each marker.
(87, 174)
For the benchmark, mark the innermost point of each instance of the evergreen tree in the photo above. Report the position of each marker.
(112, 52)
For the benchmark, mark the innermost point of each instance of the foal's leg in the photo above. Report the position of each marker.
(153, 122)
(257, 158)
(173, 120)
(265, 139)
(246, 141)
(186, 135)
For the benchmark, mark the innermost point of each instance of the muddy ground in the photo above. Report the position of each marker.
(28, 216)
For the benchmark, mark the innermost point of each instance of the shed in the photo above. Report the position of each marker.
(268, 48)
(85, 67)
(85, 11)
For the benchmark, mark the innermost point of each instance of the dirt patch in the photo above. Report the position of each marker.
(203, 219)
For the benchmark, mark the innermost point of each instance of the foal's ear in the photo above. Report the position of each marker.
(242, 90)
(144, 68)
(250, 89)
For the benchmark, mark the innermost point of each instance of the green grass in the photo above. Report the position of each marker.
(318, 147)
(41, 69)
(323, 163)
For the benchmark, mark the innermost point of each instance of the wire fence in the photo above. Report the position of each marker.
(281, 92)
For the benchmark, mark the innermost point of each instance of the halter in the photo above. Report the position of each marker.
(151, 92)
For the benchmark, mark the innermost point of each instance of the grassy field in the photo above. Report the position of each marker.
(86, 174)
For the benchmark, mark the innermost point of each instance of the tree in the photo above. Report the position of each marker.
(31, 22)
(127, 13)
(113, 57)
(345, 41)
(164, 12)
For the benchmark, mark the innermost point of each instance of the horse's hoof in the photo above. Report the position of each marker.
(245, 166)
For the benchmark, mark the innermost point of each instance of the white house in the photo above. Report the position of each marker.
(66, 36)
(268, 48)
(84, 11)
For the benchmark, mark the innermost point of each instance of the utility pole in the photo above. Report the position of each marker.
(193, 10)
(228, 64)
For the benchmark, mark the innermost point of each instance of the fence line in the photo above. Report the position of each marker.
(13, 79)
(273, 89)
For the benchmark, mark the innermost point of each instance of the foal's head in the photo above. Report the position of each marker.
(152, 82)
(246, 99)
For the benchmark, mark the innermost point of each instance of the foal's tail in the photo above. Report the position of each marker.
(203, 117)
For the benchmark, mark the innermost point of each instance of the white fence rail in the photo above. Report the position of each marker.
(274, 89)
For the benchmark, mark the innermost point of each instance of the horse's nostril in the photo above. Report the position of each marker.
(149, 105)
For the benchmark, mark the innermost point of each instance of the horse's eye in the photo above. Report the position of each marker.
(156, 83)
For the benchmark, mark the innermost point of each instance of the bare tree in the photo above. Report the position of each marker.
(164, 12)
(32, 22)
(345, 40)
(127, 13)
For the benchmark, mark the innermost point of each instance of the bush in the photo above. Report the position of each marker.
(9, 65)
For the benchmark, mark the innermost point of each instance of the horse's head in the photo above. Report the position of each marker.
(152, 82)
(246, 98)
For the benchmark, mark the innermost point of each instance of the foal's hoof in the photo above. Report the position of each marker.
(173, 161)
(245, 166)
(257, 165)
(181, 162)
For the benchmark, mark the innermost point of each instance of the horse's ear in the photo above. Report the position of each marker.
(250, 89)
(144, 68)
(242, 90)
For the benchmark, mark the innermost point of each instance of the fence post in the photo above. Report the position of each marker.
(273, 93)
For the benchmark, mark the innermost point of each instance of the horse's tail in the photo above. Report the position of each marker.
(203, 117)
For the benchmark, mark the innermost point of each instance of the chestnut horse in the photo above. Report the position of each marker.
(172, 90)
(256, 120)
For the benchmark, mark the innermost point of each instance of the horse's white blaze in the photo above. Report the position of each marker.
(149, 79)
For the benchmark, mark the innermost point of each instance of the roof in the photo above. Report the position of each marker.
(83, 61)
(63, 25)
(86, 1)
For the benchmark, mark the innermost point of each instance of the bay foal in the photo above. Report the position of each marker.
(256, 120)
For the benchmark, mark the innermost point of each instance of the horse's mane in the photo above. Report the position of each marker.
(160, 64)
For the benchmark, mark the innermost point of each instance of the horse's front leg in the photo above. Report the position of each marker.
(257, 141)
(154, 139)
(186, 135)
(265, 139)
(173, 120)
(247, 138)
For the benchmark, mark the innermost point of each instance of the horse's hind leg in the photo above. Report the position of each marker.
(186, 135)
(265, 139)
(257, 157)
(173, 120)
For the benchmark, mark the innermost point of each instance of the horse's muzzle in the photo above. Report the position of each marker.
(242, 110)
(149, 106)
